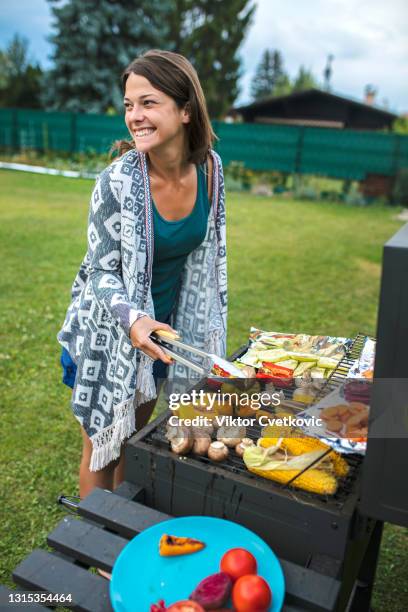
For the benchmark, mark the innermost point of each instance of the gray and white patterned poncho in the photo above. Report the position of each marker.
(112, 288)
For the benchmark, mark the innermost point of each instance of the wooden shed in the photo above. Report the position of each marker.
(315, 108)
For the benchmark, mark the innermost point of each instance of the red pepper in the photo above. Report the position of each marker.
(276, 380)
(279, 375)
(276, 370)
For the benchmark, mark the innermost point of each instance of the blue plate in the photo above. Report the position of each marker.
(142, 577)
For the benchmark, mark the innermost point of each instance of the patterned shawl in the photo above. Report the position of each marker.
(112, 288)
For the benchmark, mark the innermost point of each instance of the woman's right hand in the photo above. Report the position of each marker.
(140, 337)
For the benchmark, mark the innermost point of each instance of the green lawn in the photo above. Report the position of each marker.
(295, 266)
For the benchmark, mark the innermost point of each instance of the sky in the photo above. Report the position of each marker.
(368, 39)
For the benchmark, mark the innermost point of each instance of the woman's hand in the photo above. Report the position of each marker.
(139, 336)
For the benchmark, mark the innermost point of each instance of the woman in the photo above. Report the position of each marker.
(156, 256)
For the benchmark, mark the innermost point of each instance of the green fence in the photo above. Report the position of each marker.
(330, 152)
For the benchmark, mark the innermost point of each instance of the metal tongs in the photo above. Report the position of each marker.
(164, 338)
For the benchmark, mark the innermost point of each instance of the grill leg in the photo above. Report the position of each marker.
(365, 580)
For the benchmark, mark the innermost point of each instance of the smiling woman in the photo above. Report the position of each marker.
(156, 259)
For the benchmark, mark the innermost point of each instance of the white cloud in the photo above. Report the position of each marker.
(367, 38)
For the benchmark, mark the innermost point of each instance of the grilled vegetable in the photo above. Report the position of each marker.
(272, 355)
(180, 440)
(304, 395)
(245, 443)
(171, 546)
(231, 436)
(217, 451)
(302, 367)
(261, 461)
(213, 591)
(306, 444)
(201, 445)
(181, 446)
(327, 362)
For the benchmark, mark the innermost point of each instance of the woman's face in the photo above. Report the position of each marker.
(153, 119)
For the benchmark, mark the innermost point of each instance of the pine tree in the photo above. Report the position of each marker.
(94, 41)
(262, 82)
(209, 33)
(270, 77)
(305, 79)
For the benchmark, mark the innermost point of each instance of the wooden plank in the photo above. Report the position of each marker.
(130, 491)
(6, 605)
(43, 571)
(88, 544)
(122, 516)
(308, 589)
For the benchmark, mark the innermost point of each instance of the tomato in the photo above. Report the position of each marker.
(251, 594)
(185, 606)
(238, 562)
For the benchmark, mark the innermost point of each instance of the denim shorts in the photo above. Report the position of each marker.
(69, 368)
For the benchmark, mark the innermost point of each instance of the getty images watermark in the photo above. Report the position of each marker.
(203, 401)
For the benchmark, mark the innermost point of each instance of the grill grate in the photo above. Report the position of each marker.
(340, 373)
(235, 465)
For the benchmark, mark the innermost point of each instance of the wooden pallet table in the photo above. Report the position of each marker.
(104, 524)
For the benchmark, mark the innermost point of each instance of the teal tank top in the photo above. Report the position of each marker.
(173, 242)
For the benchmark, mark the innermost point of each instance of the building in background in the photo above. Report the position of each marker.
(316, 108)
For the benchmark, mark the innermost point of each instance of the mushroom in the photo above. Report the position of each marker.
(202, 431)
(217, 451)
(182, 446)
(245, 443)
(180, 441)
(201, 445)
(231, 436)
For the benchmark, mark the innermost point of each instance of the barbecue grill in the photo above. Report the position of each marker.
(338, 535)
(303, 527)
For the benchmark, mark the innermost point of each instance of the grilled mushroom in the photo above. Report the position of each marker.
(217, 451)
(201, 445)
(231, 436)
(202, 431)
(245, 443)
(180, 440)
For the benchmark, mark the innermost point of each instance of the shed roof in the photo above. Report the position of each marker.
(319, 108)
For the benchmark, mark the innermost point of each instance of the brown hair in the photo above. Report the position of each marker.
(173, 74)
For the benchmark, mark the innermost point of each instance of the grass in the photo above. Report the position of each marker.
(296, 266)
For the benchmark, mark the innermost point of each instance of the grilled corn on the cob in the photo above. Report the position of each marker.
(306, 444)
(315, 481)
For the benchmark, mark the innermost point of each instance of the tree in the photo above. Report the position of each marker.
(262, 83)
(270, 77)
(400, 125)
(20, 80)
(209, 33)
(94, 41)
(304, 80)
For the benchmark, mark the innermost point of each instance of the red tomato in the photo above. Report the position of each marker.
(238, 562)
(185, 606)
(251, 594)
